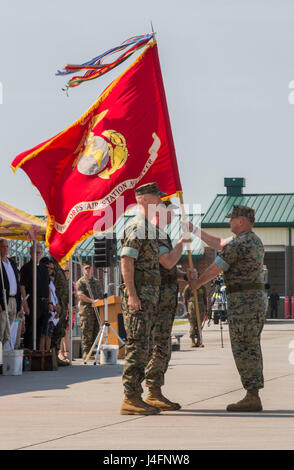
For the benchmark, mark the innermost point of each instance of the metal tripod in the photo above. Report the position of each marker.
(103, 333)
(221, 331)
(219, 307)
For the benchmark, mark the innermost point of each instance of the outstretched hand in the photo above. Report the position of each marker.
(195, 284)
(192, 274)
(185, 238)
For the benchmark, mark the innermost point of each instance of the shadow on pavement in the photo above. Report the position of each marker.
(58, 380)
(224, 413)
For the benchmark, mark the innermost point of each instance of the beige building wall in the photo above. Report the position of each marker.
(280, 266)
(275, 237)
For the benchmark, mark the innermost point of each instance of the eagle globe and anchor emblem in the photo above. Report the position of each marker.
(99, 150)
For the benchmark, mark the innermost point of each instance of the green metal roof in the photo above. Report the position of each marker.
(86, 248)
(271, 210)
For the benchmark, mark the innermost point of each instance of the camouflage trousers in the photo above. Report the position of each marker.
(194, 333)
(89, 328)
(138, 325)
(246, 317)
(160, 336)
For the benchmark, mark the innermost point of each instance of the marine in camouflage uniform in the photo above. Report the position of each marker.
(242, 263)
(241, 260)
(140, 249)
(138, 324)
(90, 287)
(160, 337)
(202, 304)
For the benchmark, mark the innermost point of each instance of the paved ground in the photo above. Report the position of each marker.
(78, 407)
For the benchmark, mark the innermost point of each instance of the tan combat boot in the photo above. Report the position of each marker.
(155, 398)
(91, 357)
(134, 405)
(251, 402)
(193, 343)
(198, 343)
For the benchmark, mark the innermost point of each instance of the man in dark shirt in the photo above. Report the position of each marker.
(43, 297)
(273, 301)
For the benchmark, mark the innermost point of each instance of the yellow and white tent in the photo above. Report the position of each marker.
(19, 225)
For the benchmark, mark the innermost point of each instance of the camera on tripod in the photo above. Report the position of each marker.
(218, 306)
(219, 315)
(218, 281)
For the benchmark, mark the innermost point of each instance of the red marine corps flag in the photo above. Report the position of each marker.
(92, 168)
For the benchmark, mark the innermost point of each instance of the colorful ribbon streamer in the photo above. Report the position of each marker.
(95, 67)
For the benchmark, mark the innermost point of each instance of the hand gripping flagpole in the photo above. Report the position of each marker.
(184, 218)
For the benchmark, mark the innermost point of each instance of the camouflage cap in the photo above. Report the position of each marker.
(150, 188)
(87, 265)
(242, 211)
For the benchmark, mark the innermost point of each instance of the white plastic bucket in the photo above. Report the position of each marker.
(108, 354)
(12, 362)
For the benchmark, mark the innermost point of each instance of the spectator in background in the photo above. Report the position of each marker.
(88, 291)
(42, 294)
(64, 345)
(54, 308)
(62, 294)
(191, 308)
(274, 303)
(45, 341)
(50, 266)
(12, 288)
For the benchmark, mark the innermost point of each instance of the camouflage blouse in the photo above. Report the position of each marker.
(242, 259)
(165, 246)
(89, 287)
(140, 243)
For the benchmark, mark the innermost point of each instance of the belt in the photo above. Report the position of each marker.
(244, 286)
(168, 279)
(12, 296)
(147, 279)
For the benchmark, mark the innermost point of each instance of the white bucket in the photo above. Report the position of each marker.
(12, 362)
(108, 354)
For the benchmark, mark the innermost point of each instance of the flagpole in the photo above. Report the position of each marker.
(184, 217)
(153, 32)
(70, 309)
(34, 300)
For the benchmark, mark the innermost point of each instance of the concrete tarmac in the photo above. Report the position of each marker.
(77, 407)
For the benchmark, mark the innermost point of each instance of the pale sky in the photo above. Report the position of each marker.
(226, 67)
